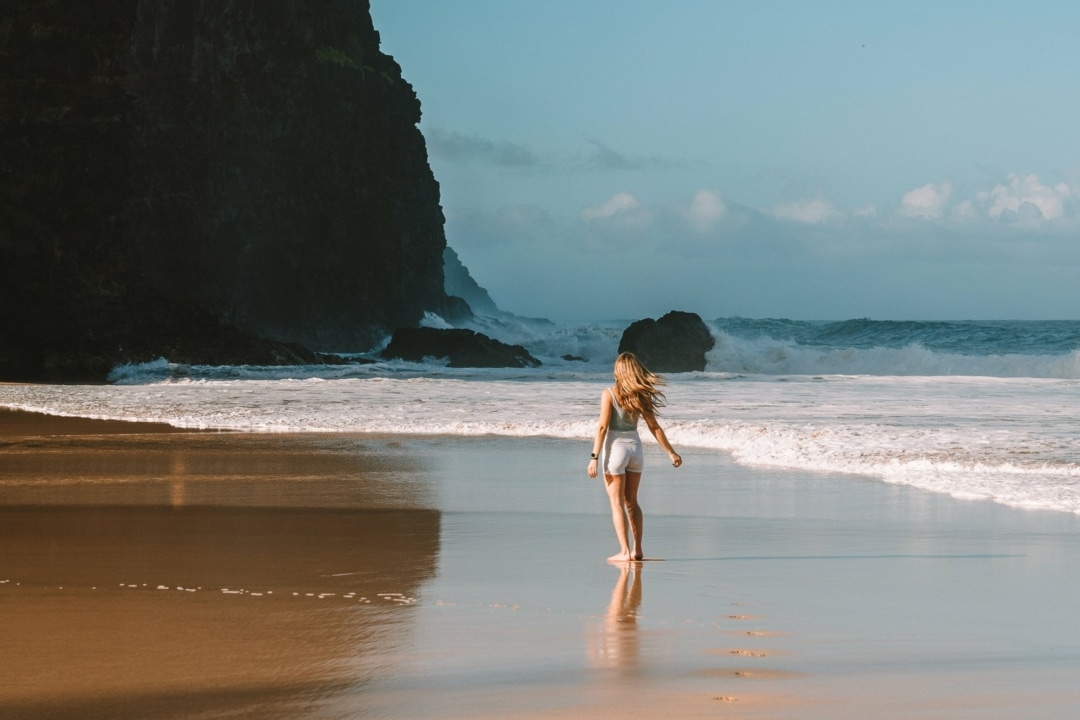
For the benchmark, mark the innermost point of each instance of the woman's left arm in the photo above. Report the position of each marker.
(661, 437)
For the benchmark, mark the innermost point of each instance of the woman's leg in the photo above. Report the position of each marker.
(633, 511)
(616, 485)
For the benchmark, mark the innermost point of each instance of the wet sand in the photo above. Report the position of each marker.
(148, 572)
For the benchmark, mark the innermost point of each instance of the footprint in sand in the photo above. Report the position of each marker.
(761, 633)
(742, 652)
(766, 674)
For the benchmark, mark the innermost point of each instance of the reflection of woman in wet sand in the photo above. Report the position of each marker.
(636, 395)
(616, 643)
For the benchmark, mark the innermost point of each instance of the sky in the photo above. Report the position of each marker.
(815, 160)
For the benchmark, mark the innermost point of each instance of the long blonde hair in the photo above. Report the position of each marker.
(637, 389)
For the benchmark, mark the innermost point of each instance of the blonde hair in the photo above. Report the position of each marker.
(637, 389)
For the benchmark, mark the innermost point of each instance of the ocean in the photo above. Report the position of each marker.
(976, 410)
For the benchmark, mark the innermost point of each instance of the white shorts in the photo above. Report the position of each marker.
(623, 453)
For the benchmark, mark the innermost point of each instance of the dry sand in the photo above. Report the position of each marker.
(146, 572)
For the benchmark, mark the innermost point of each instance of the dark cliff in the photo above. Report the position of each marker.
(176, 176)
(460, 283)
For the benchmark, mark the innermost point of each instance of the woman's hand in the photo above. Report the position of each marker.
(592, 468)
(676, 460)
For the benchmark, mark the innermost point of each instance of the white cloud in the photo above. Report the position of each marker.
(811, 212)
(928, 201)
(705, 211)
(1022, 196)
(717, 257)
(623, 208)
(1023, 200)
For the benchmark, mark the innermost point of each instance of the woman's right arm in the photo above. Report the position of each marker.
(601, 431)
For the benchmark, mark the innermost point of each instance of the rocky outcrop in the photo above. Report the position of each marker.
(462, 348)
(162, 161)
(677, 342)
(75, 347)
(459, 283)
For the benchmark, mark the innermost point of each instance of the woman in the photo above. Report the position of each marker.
(636, 395)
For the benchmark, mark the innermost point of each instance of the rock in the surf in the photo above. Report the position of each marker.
(677, 342)
(462, 348)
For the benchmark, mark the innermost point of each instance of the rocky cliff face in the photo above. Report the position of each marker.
(183, 164)
(460, 283)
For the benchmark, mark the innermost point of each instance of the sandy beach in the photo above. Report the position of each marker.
(148, 572)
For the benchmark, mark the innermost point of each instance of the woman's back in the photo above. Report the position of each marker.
(621, 420)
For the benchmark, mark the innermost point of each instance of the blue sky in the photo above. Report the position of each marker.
(810, 160)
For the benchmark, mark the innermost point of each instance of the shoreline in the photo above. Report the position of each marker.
(400, 577)
(15, 423)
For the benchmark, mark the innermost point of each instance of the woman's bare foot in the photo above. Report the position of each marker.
(621, 557)
(638, 556)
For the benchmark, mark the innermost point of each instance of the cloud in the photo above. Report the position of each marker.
(460, 148)
(964, 211)
(604, 157)
(1025, 198)
(810, 212)
(628, 257)
(622, 208)
(705, 211)
(465, 149)
(678, 224)
(928, 201)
